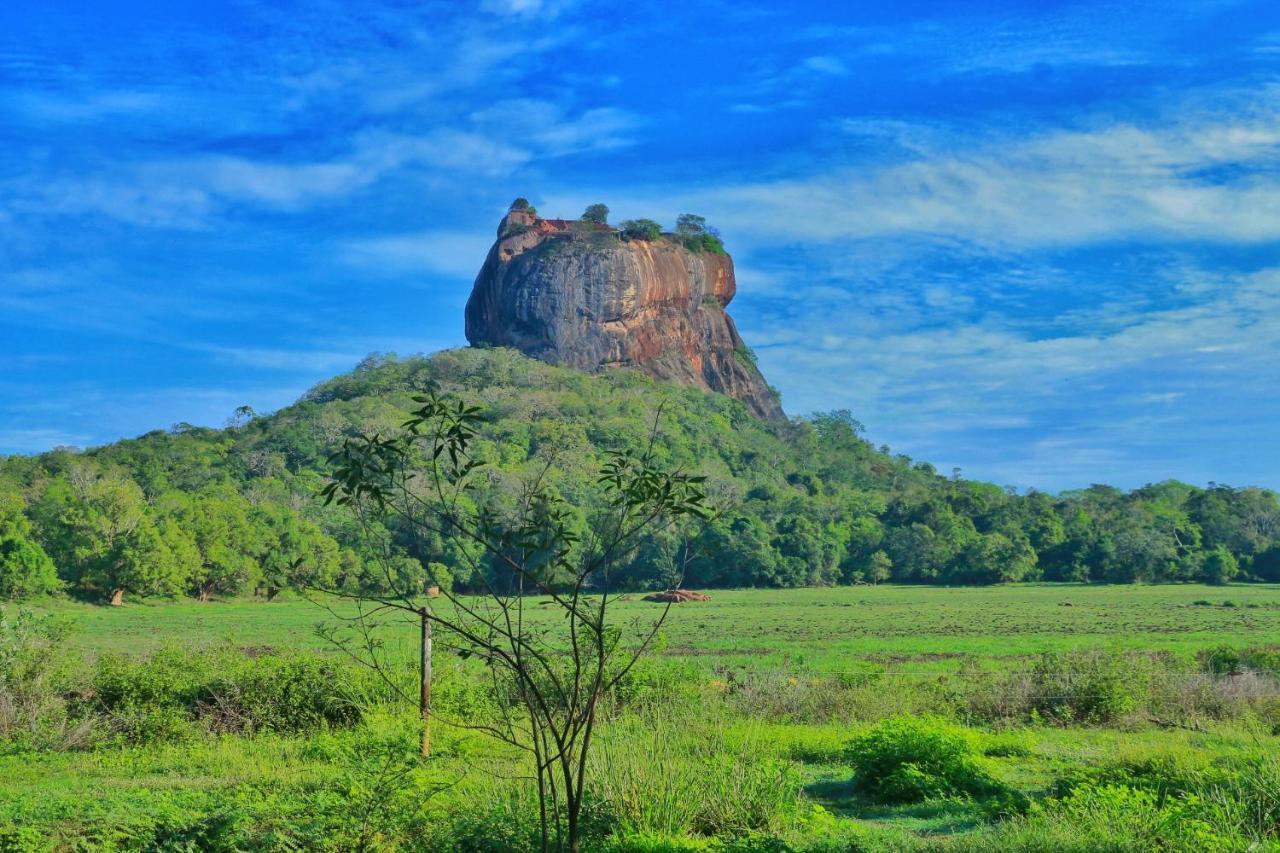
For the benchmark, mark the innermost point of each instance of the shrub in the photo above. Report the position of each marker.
(1109, 817)
(293, 694)
(1226, 660)
(175, 693)
(641, 229)
(696, 236)
(596, 213)
(1219, 567)
(1238, 799)
(1089, 687)
(33, 712)
(25, 569)
(1222, 660)
(1263, 660)
(704, 243)
(912, 759)
(656, 682)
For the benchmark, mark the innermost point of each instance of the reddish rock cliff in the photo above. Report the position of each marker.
(582, 297)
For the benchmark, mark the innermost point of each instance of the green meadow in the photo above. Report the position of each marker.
(1038, 717)
(902, 627)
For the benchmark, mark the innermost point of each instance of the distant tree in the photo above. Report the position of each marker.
(224, 545)
(25, 568)
(879, 568)
(1246, 521)
(521, 203)
(693, 231)
(241, 416)
(691, 225)
(1266, 566)
(994, 558)
(296, 552)
(735, 551)
(1219, 567)
(641, 229)
(596, 213)
(915, 553)
(838, 428)
(116, 547)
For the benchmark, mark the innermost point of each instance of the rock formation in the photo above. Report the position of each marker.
(581, 296)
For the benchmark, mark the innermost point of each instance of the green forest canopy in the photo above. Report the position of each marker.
(203, 512)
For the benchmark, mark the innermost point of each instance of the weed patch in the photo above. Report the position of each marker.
(913, 759)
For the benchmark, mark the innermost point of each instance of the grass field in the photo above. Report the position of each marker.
(755, 700)
(805, 629)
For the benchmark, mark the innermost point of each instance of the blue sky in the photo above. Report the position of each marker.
(1036, 241)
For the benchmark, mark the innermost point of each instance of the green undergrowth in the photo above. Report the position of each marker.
(257, 742)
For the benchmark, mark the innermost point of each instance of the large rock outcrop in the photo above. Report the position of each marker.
(580, 296)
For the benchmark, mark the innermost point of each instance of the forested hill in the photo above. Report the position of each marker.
(234, 511)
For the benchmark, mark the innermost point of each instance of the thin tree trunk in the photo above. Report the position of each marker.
(424, 694)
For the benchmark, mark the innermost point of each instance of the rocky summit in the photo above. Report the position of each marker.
(589, 296)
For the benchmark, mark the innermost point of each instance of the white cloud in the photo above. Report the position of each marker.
(189, 193)
(552, 132)
(91, 107)
(829, 65)
(279, 358)
(38, 440)
(527, 8)
(1208, 174)
(453, 253)
(1118, 393)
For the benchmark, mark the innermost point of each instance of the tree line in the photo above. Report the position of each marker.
(221, 512)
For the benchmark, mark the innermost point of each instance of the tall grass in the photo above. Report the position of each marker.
(676, 773)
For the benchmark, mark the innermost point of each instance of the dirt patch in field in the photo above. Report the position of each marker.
(694, 652)
(677, 596)
(921, 656)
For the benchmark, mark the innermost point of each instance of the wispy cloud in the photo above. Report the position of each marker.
(453, 253)
(936, 382)
(1203, 173)
(38, 440)
(188, 193)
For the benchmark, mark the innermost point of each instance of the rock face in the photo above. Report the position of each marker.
(580, 296)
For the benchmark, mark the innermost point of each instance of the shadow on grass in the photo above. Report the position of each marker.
(934, 817)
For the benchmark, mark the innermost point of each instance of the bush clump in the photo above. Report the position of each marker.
(1088, 687)
(1111, 817)
(33, 711)
(913, 759)
(1227, 660)
(175, 693)
(1195, 803)
(645, 230)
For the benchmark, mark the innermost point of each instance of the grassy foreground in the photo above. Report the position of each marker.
(869, 718)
